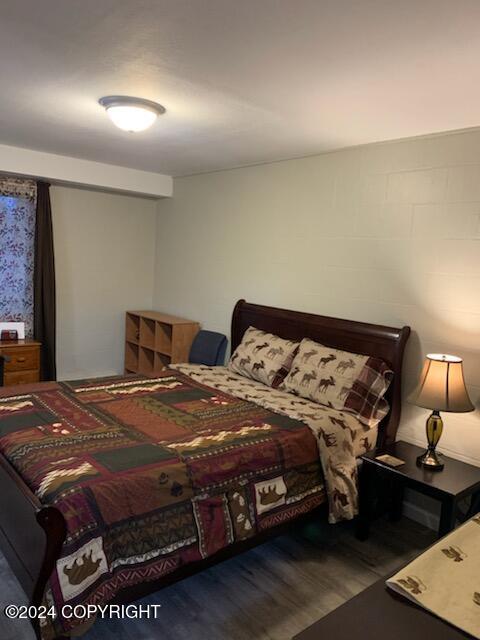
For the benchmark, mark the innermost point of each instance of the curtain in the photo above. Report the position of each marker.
(44, 283)
(17, 232)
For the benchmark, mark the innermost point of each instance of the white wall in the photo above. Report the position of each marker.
(386, 233)
(74, 171)
(104, 253)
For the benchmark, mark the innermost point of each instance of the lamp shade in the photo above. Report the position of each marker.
(442, 386)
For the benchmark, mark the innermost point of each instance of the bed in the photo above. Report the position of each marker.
(237, 476)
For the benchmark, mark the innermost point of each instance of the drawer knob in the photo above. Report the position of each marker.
(21, 359)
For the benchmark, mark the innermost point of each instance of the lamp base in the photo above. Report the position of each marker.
(431, 460)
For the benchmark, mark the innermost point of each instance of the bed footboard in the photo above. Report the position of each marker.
(31, 535)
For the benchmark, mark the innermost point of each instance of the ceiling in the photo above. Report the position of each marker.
(243, 81)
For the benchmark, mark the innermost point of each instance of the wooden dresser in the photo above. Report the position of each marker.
(153, 340)
(24, 364)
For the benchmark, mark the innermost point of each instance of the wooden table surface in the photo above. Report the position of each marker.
(378, 613)
(456, 479)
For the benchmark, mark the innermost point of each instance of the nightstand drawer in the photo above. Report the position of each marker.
(22, 359)
(21, 377)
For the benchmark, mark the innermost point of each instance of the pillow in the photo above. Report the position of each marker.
(263, 356)
(340, 380)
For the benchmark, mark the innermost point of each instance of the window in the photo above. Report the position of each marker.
(17, 236)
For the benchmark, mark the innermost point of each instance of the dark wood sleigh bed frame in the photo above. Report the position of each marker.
(32, 534)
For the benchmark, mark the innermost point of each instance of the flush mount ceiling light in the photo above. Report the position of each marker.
(131, 114)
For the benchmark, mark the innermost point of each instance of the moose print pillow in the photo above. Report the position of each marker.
(263, 357)
(340, 380)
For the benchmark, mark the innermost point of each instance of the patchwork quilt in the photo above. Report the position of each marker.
(341, 436)
(151, 474)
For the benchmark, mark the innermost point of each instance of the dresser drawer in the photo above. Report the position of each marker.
(22, 359)
(21, 377)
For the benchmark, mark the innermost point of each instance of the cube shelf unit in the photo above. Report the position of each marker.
(153, 340)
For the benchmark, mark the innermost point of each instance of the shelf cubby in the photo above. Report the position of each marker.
(163, 338)
(161, 361)
(147, 333)
(146, 361)
(153, 340)
(131, 356)
(132, 328)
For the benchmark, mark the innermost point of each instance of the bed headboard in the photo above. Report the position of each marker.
(387, 343)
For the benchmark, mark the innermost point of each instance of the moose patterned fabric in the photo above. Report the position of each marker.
(341, 437)
(17, 235)
(152, 474)
(446, 578)
(263, 356)
(340, 380)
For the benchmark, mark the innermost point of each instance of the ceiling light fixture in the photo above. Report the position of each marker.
(131, 114)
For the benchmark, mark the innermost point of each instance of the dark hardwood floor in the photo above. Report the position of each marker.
(271, 592)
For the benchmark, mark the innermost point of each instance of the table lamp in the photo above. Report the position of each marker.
(441, 388)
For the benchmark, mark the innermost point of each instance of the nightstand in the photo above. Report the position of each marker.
(456, 482)
(23, 364)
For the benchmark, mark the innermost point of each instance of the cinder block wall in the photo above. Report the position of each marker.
(386, 233)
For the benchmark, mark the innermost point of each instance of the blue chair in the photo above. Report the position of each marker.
(208, 348)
